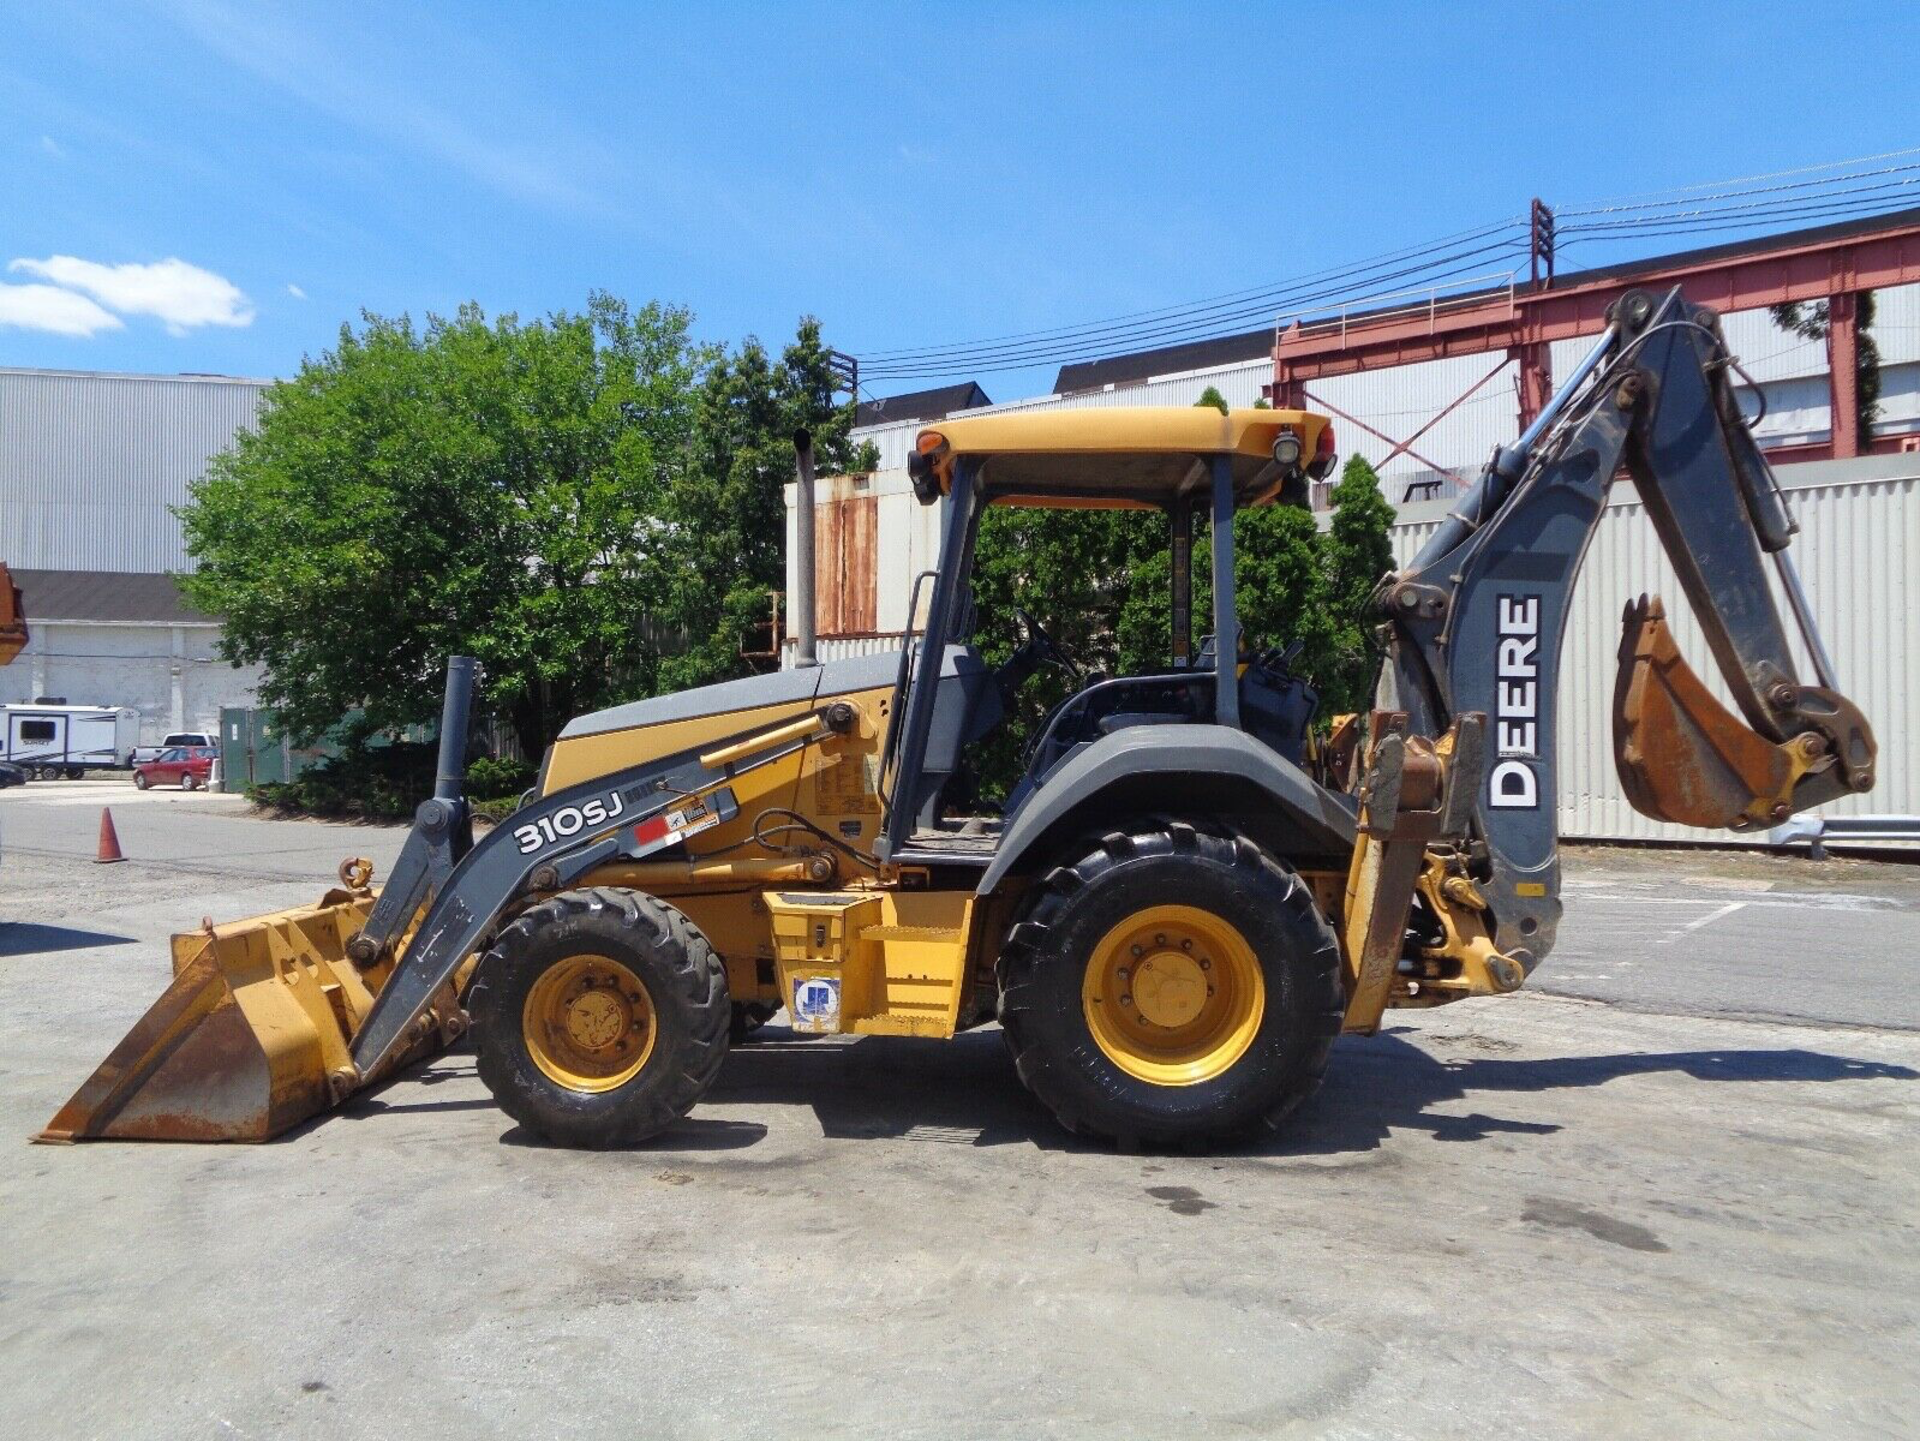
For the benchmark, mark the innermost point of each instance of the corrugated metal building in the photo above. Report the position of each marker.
(91, 466)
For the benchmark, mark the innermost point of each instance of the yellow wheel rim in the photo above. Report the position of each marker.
(1173, 995)
(589, 1024)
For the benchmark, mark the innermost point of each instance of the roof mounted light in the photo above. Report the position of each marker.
(924, 466)
(1287, 448)
(1325, 457)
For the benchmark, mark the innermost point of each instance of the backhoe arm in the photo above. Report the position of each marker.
(1477, 620)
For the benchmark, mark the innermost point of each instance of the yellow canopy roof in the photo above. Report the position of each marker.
(1121, 455)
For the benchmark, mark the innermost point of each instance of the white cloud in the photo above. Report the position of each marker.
(56, 311)
(52, 147)
(179, 295)
(296, 292)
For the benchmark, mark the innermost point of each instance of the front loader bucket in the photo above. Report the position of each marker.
(1682, 755)
(253, 1037)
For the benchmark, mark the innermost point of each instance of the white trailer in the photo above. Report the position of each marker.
(69, 740)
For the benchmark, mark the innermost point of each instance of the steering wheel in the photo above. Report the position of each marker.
(1045, 647)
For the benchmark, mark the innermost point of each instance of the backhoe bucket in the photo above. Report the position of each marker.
(1682, 755)
(254, 1035)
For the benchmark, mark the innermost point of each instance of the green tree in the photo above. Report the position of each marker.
(725, 522)
(1810, 321)
(1355, 553)
(1100, 582)
(484, 487)
(1212, 396)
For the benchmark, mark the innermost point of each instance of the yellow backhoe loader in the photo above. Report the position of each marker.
(1186, 897)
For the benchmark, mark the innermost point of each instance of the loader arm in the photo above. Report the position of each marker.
(550, 843)
(1476, 621)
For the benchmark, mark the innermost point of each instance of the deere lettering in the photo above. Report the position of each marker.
(1515, 782)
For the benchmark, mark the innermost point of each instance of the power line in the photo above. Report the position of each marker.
(1561, 212)
(1239, 298)
(1786, 205)
(1756, 179)
(1166, 336)
(1839, 211)
(1433, 266)
(1122, 340)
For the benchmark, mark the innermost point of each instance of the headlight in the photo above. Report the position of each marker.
(1286, 449)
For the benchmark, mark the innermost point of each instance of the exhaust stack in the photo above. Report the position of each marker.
(800, 607)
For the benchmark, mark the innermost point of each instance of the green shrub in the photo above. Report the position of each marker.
(389, 782)
(490, 777)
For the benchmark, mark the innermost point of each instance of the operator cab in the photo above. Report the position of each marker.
(1193, 464)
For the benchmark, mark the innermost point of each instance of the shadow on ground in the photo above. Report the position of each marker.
(965, 1091)
(695, 1133)
(27, 938)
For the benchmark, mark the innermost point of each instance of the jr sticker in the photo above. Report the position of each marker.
(816, 1004)
(675, 825)
(567, 822)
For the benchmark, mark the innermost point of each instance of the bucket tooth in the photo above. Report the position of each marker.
(253, 1036)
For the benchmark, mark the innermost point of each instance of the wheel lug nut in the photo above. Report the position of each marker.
(1205, 964)
(1159, 940)
(1137, 952)
(1123, 973)
(1126, 1000)
(1186, 945)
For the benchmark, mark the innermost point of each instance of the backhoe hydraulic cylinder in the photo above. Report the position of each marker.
(1521, 450)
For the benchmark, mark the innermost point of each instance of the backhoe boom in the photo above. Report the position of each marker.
(1477, 620)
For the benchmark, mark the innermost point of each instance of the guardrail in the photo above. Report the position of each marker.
(1814, 832)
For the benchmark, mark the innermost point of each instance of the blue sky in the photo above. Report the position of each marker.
(204, 187)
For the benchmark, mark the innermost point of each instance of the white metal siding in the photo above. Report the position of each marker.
(1859, 523)
(90, 465)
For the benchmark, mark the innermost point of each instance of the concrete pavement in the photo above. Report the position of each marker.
(1631, 1213)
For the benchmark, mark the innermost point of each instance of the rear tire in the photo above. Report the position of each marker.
(1227, 1036)
(600, 1017)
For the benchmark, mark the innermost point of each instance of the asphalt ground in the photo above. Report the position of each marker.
(1668, 1190)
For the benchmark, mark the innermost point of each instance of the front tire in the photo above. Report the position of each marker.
(600, 1017)
(140, 781)
(1171, 988)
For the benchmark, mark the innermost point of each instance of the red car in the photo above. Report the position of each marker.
(185, 766)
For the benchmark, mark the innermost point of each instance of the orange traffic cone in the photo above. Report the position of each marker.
(109, 840)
